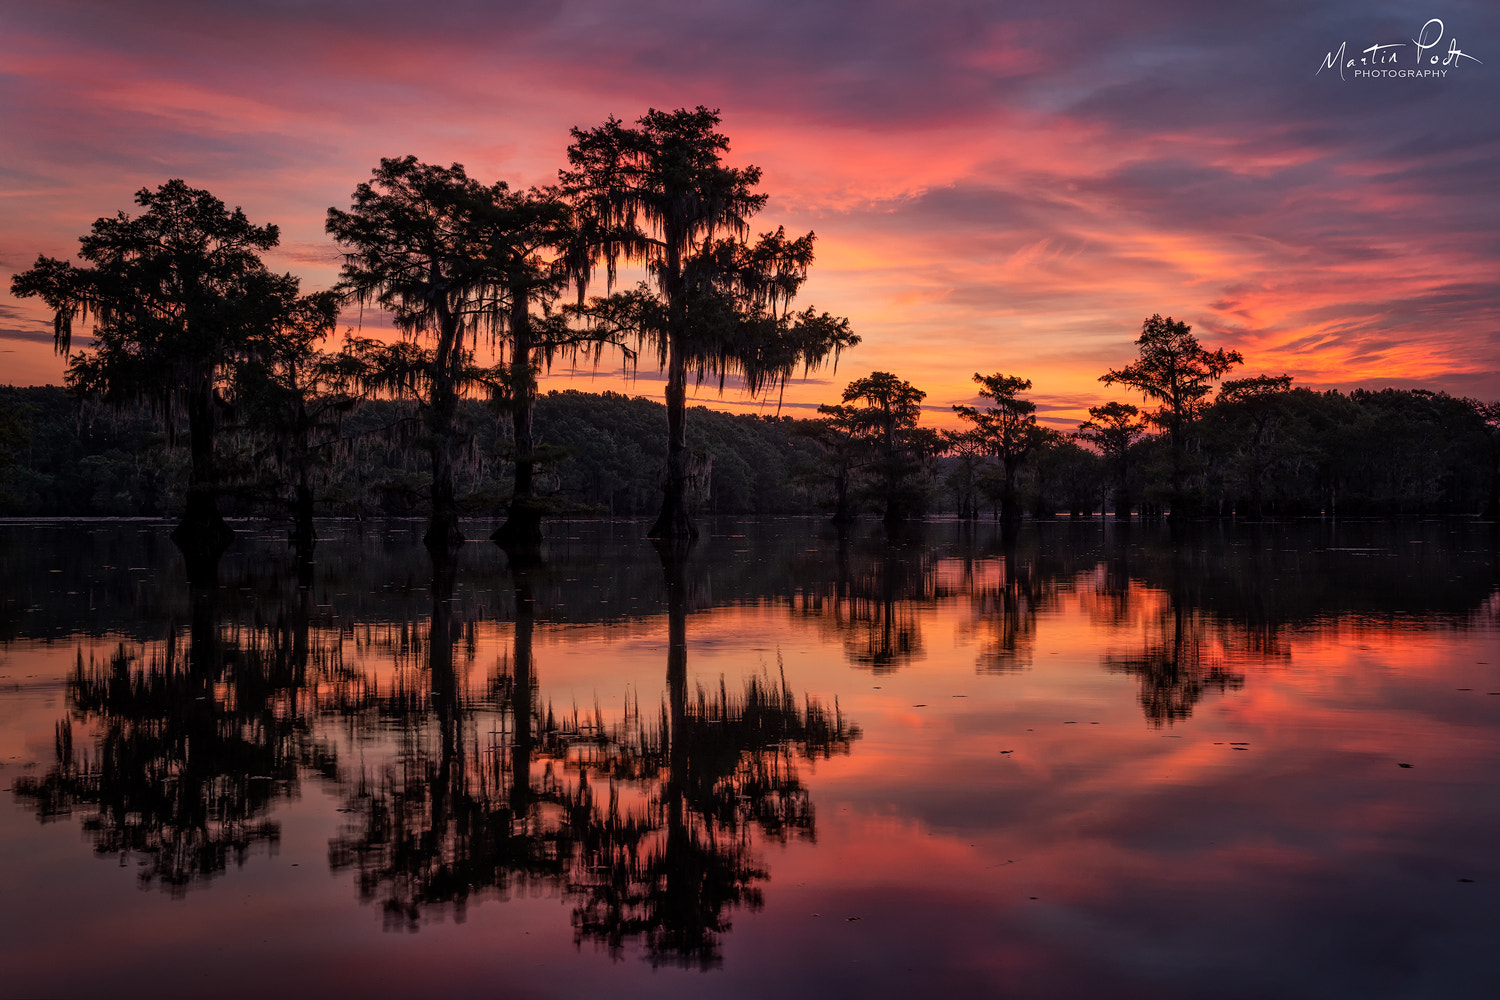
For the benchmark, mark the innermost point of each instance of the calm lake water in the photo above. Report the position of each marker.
(1087, 761)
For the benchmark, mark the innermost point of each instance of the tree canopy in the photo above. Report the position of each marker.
(1178, 372)
(886, 424)
(175, 294)
(451, 260)
(714, 303)
(1008, 429)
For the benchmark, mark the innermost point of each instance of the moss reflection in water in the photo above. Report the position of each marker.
(182, 743)
(645, 825)
(195, 742)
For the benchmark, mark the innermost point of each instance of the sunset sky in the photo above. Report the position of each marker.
(991, 190)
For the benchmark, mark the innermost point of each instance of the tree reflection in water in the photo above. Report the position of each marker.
(448, 822)
(713, 769)
(645, 825)
(1005, 595)
(177, 749)
(192, 746)
(1178, 665)
(874, 600)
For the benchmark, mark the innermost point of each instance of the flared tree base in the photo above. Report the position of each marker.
(443, 534)
(522, 528)
(520, 537)
(673, 523)
(304, 535)
(202, 538)
(673, 553)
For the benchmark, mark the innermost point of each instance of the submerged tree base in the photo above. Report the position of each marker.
(304, 534)
(673, 523)
(202, 540)
(304, 539)
(522, 528)
(673, 553)
(443, 534)
(522, 544)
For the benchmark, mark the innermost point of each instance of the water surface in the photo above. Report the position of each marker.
(1089, 760)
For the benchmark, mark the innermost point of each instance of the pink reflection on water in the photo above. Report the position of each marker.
(1037, 830)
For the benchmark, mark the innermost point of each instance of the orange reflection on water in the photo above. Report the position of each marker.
(1086, 758)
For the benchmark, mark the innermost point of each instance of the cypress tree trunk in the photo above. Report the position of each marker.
(1010, 505)
(1179, 500)
(895, 510)
(843, 512)
(304, 535)
(201, 535)
(522, 530)
(442, 530)
(673, 521)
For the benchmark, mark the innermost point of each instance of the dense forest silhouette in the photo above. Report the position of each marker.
(1390, 453)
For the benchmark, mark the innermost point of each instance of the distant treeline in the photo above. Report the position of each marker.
(1289, 453)
(604, 454)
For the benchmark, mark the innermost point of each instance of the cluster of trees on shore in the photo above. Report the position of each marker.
(1257, 447)
(189, 321)
(197, 344)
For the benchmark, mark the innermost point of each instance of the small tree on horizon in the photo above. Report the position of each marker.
(534, 240)
(1009, 429)
(1113, 429)
(412, 234)
(969, 450)
(453, 261)
(887, 423)
(840, 433)
(1178, 372)
(293, 397)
